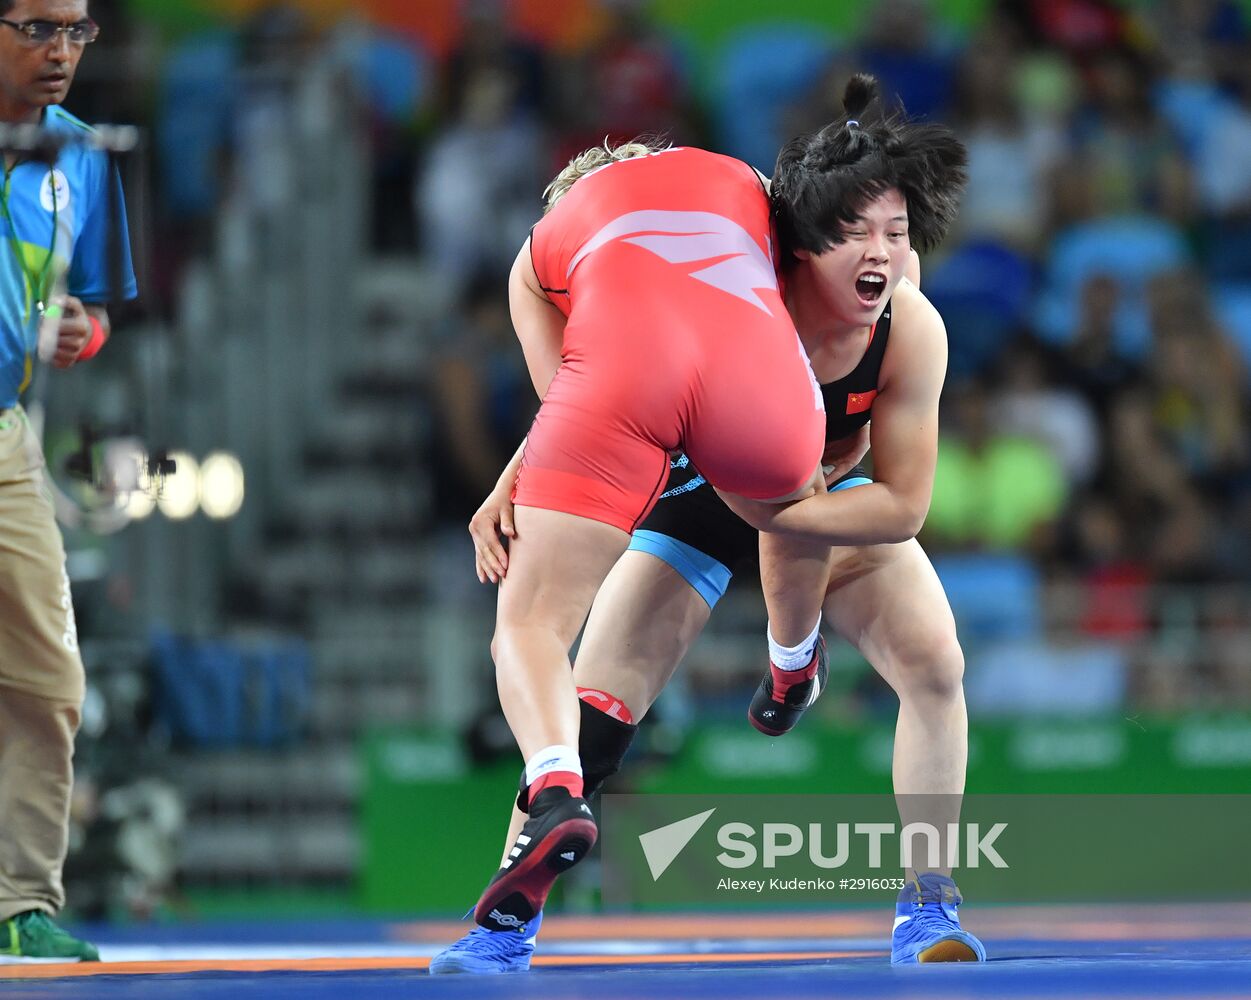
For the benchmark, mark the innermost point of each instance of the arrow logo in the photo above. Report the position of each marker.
(730, 259)
(662, 845)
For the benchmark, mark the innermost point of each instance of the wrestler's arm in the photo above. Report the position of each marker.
(540, 327)
(539, 324)
(904, 440)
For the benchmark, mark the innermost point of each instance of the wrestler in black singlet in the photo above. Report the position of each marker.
(689, 511)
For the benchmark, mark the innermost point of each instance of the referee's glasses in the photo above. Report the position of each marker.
(44, 32)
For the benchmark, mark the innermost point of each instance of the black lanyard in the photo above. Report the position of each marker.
(36, 279)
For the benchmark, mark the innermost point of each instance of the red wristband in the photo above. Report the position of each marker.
(97, 340)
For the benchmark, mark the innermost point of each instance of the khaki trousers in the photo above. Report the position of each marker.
(41, 680)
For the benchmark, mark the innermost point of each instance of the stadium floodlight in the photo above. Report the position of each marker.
(221, 485)
(179, 496)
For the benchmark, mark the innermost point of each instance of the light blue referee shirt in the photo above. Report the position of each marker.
(54, 218)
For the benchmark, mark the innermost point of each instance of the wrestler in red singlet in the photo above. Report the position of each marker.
(677, 338)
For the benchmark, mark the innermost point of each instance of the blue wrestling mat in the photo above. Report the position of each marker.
(1076, 951)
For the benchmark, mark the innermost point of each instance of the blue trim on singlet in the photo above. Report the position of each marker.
(681, 462)
(707, 576)
(690, 484)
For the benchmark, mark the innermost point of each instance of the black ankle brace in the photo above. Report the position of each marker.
(602, 745)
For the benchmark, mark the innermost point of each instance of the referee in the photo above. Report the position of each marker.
(55, 222)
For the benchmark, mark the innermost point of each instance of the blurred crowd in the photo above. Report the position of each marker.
(1096, 290)
(1091, 518)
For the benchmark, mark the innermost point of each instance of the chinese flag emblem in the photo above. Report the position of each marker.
(858, 402)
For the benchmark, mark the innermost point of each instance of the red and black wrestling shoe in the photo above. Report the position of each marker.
(784, 695)
(559, 833)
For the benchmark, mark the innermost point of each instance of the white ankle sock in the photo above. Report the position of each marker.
(793, 657)
(553, 758)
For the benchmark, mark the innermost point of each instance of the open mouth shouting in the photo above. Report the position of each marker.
(869, 288)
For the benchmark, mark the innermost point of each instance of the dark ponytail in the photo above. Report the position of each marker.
(861, 91)
(823, 180)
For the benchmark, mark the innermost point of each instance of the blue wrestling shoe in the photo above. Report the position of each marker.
(927, 927)
(489, 953)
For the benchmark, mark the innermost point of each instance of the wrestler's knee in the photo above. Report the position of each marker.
(508, 635)
(928, 662)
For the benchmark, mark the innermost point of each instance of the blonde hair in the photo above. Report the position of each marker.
(594, 158)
